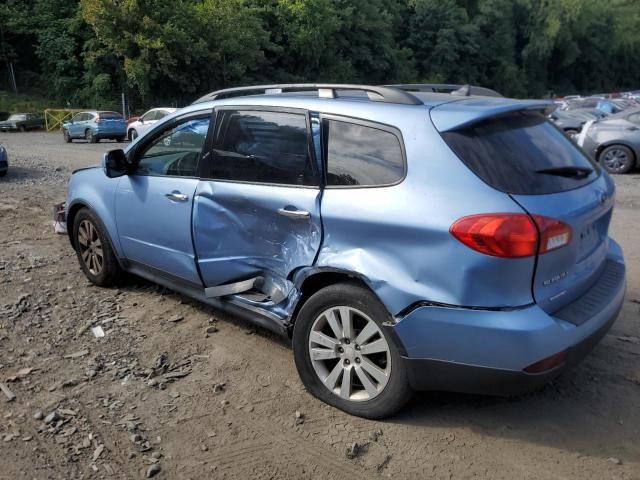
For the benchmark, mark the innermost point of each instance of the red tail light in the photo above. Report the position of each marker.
(553, 233)
(511, 235)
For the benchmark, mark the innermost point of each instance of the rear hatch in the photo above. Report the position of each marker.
(522, 154)
(111, 121)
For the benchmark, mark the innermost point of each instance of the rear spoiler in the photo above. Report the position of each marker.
(468, 111)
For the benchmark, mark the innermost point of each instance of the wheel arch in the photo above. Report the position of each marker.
(308, 281)
(72, 212)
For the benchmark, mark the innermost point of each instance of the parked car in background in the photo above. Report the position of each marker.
(484, 266)
(22, 122)
(94, 126)
(4, 161)
(143, 123)
(130, 120)
(615, 141)
(570, 122)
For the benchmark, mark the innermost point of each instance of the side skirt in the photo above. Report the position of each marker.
(247, 310)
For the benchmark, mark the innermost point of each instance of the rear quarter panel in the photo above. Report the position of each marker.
(398, 237)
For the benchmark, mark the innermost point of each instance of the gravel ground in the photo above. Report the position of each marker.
(176, 389)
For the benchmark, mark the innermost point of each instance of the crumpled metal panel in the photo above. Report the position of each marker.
(239, 233)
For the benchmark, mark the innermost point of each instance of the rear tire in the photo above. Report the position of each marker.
(617, 159)
(3, 173)
(94, 251)
(119, 139)
(90, 137)
(23, 128)
(350, 351)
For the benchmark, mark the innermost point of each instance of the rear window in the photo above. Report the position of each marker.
(510, 152)
(112, 115)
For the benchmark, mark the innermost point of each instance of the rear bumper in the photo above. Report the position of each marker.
(480, 351)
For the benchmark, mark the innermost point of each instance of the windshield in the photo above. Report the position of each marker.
(18, 117)
(522, 154)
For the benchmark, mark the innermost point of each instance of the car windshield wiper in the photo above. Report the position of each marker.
(569, 172)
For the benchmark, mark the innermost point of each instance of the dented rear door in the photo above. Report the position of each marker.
(256, 215)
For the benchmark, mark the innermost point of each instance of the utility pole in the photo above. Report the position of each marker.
(13, 78)
(124, 113)
(12, 75)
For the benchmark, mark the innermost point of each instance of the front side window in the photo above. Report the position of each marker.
(262, 147)
(361, 155)
(176, 151)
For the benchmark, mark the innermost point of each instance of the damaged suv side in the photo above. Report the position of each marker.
(373, 227)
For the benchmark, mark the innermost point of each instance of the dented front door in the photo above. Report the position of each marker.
(257, 218)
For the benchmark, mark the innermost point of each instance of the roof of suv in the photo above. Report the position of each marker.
(449, 111)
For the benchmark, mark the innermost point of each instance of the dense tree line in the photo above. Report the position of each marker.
(85, 52)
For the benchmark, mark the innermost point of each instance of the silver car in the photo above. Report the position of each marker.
(615, 142)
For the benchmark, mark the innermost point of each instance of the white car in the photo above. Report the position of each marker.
(145, 121)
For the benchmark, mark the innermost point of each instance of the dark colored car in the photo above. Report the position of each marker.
(615, 141)
(569, 122)
(4, 161)
(22, 122)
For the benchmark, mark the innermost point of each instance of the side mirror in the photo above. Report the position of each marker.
(141, 120)
(115, 164)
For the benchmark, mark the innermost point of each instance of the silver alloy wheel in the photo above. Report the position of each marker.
(90, 247)
(349, 353)
(616, 159)
(88, 135)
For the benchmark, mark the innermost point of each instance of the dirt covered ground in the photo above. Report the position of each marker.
(183, 391)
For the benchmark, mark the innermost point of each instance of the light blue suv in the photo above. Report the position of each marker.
(95, 126)
(402, 239)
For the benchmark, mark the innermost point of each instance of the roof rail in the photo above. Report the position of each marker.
(453, 89)
(383, 94)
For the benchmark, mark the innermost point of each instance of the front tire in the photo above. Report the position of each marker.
(133, 134)
(344, 355)
(94, 251)
(617, 159)
(66, 136)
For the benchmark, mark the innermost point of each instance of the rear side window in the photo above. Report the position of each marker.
(363, 155)
(263, 147)
(522, 154)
